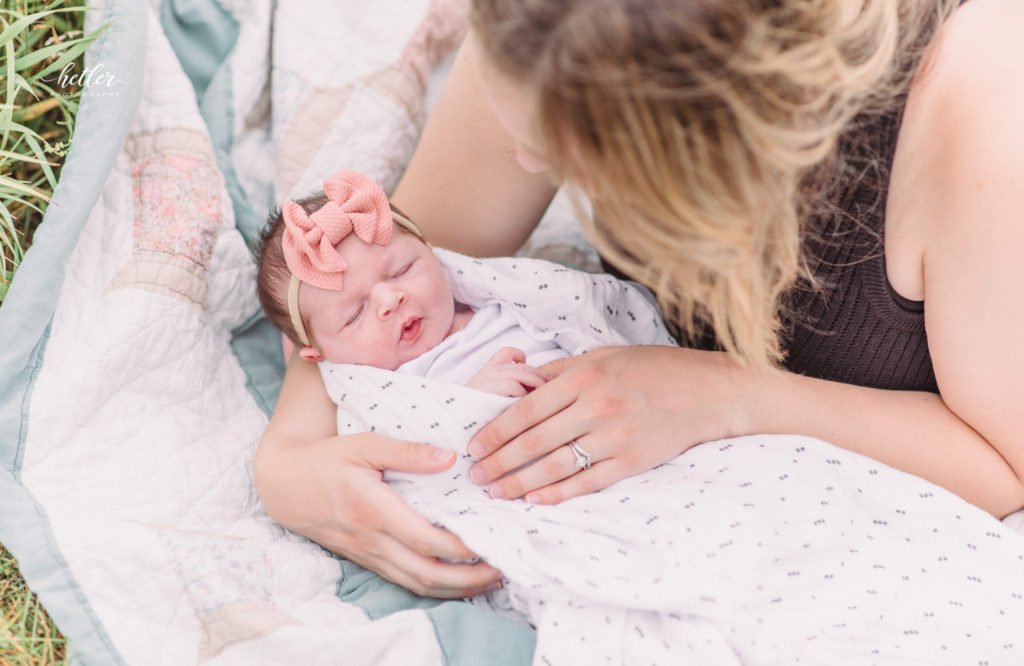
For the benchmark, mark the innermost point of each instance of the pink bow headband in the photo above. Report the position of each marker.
(355, 204)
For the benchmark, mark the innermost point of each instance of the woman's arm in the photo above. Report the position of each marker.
(919, 433)
(463, 186)
(634, 408)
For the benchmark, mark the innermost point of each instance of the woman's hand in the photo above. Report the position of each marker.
(507, 374)
(630, 408)
(331, 491)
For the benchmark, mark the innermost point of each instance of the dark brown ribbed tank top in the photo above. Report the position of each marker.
(855, 328)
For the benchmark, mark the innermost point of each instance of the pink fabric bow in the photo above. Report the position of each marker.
(355, 204)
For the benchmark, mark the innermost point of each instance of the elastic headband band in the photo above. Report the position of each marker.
(406, 223)
(293, 311)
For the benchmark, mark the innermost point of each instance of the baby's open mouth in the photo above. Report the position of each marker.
(411, 330)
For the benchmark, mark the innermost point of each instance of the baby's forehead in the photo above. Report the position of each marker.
(322, 306)
(403, 245)
(362, 256)
(368, 261)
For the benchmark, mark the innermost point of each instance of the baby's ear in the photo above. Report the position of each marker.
(311, 354)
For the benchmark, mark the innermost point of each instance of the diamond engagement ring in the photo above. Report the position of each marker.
(582, 456)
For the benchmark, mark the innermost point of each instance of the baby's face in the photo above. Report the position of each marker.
(395, 305)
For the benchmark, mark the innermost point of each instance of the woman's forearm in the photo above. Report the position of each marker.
(304, 414)
(304, 410)
(463, 186)
(909, 430)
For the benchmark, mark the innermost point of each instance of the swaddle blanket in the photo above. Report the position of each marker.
(757, 550)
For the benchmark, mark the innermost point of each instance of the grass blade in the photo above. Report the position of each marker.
(15, 29)
(9, 184)
(74, 48)
(7, 154)
(7, 112)
(77, 48)
(40, 160)
(22, 129)
(35, 110)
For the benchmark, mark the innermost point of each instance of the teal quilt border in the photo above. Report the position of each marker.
(102, 124)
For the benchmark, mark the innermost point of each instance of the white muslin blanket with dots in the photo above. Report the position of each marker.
(755, 550)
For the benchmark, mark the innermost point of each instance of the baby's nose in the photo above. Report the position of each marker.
(390, 301)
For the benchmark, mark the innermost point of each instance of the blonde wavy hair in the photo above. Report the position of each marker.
(705, 132)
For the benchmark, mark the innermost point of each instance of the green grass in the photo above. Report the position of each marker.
(39, 39)
(41, 44)
(27, 635)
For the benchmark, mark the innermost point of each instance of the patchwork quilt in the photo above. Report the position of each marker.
(138, 372)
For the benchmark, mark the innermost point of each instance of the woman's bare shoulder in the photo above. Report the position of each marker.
(962, 134)
(968, 200)
(980, 46)
(971, 103)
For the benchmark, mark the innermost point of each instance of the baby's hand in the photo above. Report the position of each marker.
(507, 374)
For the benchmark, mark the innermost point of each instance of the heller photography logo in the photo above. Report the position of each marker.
(94, 80)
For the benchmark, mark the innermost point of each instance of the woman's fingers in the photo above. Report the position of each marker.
(428, 576)
(382, 533)
(556, 466)
(560, 366)
(331, 491)
(536, 407)
(415, 532)
(396, 517)
(423, 574)
(601, 475)
(558, 476)
(533, 445)
(401, 456)
(545, 401)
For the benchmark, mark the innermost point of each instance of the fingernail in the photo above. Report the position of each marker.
(496, 585)
(443, 455)
(476, 474)
(476, 449)
(532, 498)
(497, 492)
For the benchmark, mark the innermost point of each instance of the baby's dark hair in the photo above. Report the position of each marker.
(272, 269)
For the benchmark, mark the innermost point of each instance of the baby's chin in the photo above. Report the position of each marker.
(423, 345)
